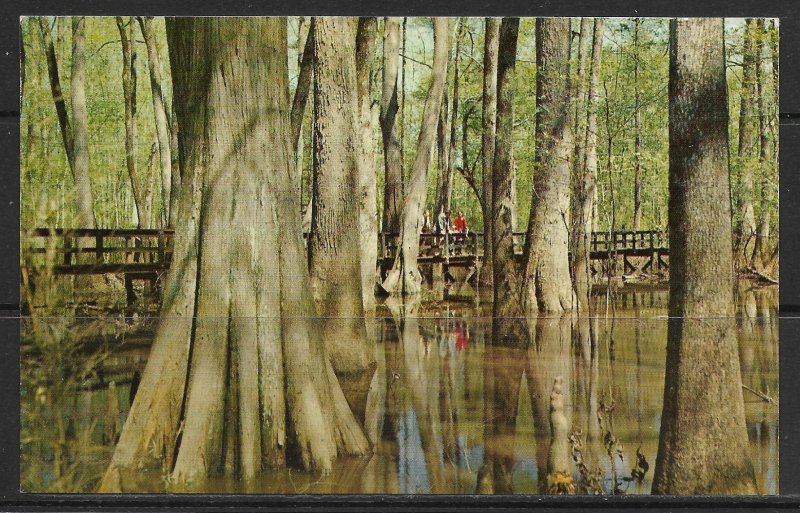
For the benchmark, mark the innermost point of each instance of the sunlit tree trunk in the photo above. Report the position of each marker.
(405, 278)
(80, 125)
(238, 377)
(334, 245)
(488, 124)
(547, 275)
(368, 214)
(392, 155)
(129, 93)
(170, 178)
(703, 440)
(746, 228)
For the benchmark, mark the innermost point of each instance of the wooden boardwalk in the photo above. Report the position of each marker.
(142, 254)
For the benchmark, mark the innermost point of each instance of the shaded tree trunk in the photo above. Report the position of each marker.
(759, 251)
(547, 274)
(368, 209)
(444, 180)
(405, 278)
(703, 439)
(580, 218)
(238, 377)
(392, 154)
(170, 179)
(488, 125)
(507, 287)
(303, 87)
(746, 227)
(55, 89)
(129, 93)
(334, 246)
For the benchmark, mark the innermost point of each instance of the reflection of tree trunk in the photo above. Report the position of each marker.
(367, 201)
(506, 297)
(219, 292)
(126, 36)
(334, 252)
(392, 156)
(488, 123)
(405, 278)
(703, 429)
(502, 374)
(547, 276)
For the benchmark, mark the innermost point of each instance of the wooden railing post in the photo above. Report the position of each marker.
(98, 249)
(67, 250)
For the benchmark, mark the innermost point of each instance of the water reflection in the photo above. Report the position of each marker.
(450, 408)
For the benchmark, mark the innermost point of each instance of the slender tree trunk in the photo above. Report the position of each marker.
(169, 177)
(547, 274)
(580, 219)
(637, 129)
(334, 246)
(444, 179)
(746, 227)
(488, 124)
(703, 440)
(80, 126)
(55, 89)
(392, 155)
(507, 286)
(129, 94)
(238, 371)
(405, 278)
(366, 44)
(759, 251)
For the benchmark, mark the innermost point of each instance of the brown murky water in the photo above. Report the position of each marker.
(449, 412)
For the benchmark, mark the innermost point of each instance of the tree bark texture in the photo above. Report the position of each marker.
(405, 278)
(547, 274)
(334, 243)
(238, 377)
(488, 126)
(746, 227)
(703, 439)
(80, 125)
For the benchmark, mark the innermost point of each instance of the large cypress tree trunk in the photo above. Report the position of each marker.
(405, 278)
(368, 208)
(703, 440)
(238, 376)
(170, 178)
(547, 275)
(392, 155)
(334, 246)
(488, 124)
(746, 227)
(129, 94)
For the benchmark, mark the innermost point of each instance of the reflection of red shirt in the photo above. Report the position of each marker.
(461, 224)
(462, 338)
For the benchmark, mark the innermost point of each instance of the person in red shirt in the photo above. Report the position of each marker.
(461, 223)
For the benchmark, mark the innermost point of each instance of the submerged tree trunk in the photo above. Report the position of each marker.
(746, 227)
(368, 208)
(488, 125)
(238, 377)
(334, 247)
(405, 278)
(547, 275)
(169, 177)
(703, 439)
(129, 93)
(392, 155)
(80, 126)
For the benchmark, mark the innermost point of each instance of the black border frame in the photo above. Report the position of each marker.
(789, 218)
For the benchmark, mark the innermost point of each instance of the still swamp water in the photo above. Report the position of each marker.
(447, 410)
